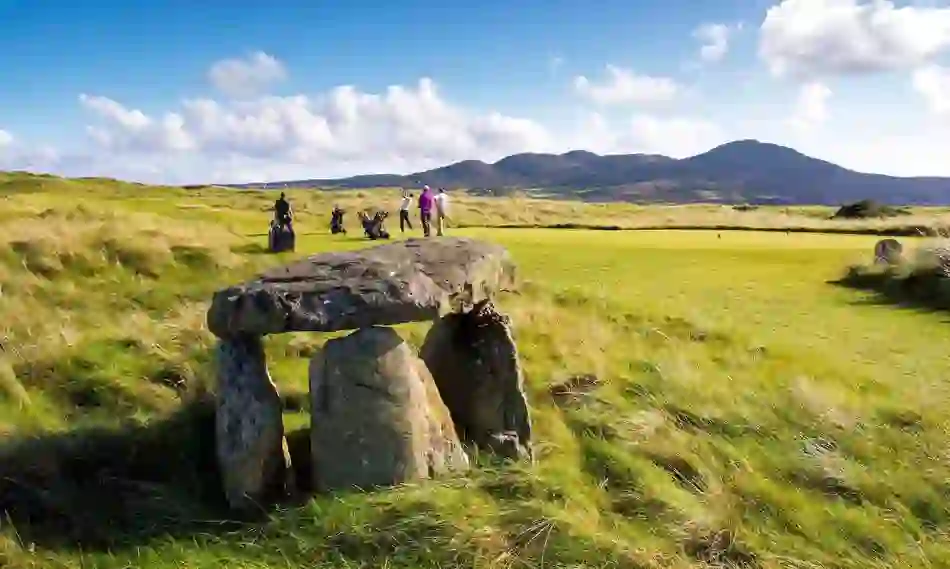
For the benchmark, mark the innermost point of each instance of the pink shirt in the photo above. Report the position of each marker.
(425, 201)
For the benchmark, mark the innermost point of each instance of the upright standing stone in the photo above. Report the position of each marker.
(376, 416)
(474, 361)
(252, 452)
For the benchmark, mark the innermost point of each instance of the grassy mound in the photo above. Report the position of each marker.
(697, 400)
(921, 280)
(867, 209)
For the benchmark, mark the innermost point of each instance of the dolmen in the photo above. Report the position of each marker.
(380, 413)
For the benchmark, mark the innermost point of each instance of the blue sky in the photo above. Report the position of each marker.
(852, 81)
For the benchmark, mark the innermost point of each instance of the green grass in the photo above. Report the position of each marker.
(748, 411)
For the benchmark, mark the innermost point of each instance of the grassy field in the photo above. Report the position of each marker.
(747, 411)
(239, 211)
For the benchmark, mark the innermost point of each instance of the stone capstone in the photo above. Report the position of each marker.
(407, 281)
(376, 415)
(474, 362)
(252, 451)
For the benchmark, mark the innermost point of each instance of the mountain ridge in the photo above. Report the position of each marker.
(741, 171)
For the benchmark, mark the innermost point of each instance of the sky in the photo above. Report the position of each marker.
(237, 91)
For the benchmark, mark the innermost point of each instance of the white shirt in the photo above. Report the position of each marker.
(406, 201)
(442, 203)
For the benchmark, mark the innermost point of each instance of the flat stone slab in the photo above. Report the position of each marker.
(406, 281)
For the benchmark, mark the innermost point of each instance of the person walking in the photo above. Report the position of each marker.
(425, 210)
(441, 211)
(404, 211)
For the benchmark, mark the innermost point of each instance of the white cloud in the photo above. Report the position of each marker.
(932, 82)
(833, 37)
(623, 86)
(403, 126)
(133, 130)
(247, 77)
(15, 155)
(677, 137)
(715, 40)
(555, 64)
(811, 107)
(897, 150)
(346, 131)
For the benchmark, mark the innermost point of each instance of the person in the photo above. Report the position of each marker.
(336, 221)
(404, 212)
(425, 210)
(283, 213)
(441, 210)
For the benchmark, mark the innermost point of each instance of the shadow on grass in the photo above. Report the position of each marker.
(299, 234)
(251, 249)
(918, 290)
(103, 488)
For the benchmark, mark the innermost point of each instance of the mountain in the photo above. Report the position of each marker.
(741, 171)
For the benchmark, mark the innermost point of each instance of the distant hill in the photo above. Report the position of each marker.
(742, 171)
